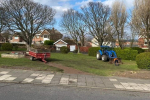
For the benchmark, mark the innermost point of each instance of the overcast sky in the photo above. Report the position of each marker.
(63, 5)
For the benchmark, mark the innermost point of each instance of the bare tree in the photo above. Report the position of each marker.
(71, 23)
(141, 18)
(134, 33)
(6, 35)
(3, 19)
(66, 37)
(96, 16)
(28, 17)
(118, 21)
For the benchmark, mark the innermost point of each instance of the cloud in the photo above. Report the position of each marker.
(59, 5)
(129, 3)
(83, 3)
(59, 10)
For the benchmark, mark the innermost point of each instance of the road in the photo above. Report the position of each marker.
(12, 91)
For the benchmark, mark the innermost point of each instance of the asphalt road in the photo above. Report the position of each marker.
(11, 91)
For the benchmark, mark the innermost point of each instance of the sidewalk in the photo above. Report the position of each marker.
(91, 81)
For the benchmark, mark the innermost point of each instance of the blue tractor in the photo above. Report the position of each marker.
(106, 53)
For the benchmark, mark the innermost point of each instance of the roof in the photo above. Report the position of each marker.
(51, 31)
(61, 41)
(68, 42)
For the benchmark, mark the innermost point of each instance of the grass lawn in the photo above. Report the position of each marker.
(24, 63)
(91, 64)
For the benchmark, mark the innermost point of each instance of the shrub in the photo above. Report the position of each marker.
(143, 60)
(15, 47)
(48, 42)
(140, 50)
(126, 54)
(64, 49)
(7, 46)
(93, 51)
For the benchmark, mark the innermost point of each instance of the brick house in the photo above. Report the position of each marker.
(47, 34)
(15, 38)
(142, 42)
(40, 37)
(67, 43)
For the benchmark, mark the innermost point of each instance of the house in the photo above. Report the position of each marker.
(67, 43)
(127, 43)
(40, 37)
(142, 42)
(15, 38)
(106, 43)
(47, 34)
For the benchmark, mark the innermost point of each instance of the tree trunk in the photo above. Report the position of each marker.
(78, 48)
(148, 42)
(28, 47)
(100, 43)
(131, 43)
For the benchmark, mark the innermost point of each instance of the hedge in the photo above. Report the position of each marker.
(126, 54)
(93, 51)
(140, 50)
(143, 60)
(64, 49)
(48, 42)
(7, 46)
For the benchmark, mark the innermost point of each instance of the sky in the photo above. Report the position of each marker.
(62, 5)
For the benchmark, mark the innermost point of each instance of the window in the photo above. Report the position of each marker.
(37, 37)
(45, 36)
(16, 37)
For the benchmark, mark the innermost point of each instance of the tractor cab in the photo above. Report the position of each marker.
(106, 53)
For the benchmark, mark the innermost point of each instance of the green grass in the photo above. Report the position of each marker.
(24, 63)
(91, 64)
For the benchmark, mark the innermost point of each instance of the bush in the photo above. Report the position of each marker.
(143, 60)
(93, 51)
(7, 46)
(15, 47)
(48, 42)
(126, 54)
(140, 50)
(64, 49)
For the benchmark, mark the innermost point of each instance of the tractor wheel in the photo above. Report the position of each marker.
(32, 58)
(104, 58)
(98, 56)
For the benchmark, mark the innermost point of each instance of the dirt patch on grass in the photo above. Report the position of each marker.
(68, 69)
(134, 74)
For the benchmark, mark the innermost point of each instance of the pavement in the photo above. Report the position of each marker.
(64, 79)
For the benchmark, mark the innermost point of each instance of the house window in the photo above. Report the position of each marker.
(45, 36)
(58, 48)
(16, 37)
